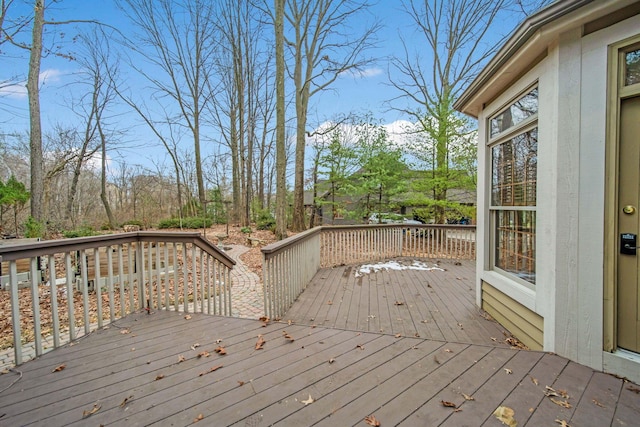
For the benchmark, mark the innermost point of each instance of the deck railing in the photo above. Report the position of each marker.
(59, 290)
(289, 265)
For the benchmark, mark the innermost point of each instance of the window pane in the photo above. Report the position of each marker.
(632, 67)
(525, 107)
(514, 170)
(515, 234)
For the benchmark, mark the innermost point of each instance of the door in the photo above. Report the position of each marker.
(628, 294)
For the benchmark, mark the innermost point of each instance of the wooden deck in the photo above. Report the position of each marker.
(145, 369)
(437, 304)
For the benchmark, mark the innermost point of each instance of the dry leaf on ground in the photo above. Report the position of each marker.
(159, 377)
(308, 401)
(398, 303)
(96, 408)
(187, 317)
(636, 390)
(505, 415)
(448, 404)
(203, 354)
(59, 368)
(215, 368)
(595, 402)
(563, 423)
(287, 336)
(508, 371)
(562, 403)
(125, 401)
(260, 342)
(372, 421)
(220, 350)
(181, 358)
(467, 397)
(200, 417)
(533, 380)
(196, 345)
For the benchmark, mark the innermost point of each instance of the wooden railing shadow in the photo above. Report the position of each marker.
(59, 290)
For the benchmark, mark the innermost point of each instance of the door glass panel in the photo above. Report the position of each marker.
(632, 67)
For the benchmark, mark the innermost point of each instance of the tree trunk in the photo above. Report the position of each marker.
(103, 180)
(281, 155)
(35, 134)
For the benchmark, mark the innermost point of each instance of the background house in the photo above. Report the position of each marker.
(558, 113)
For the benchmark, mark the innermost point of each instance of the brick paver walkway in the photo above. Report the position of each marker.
(247, 300)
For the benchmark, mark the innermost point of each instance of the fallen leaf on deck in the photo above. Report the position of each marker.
(331, 360)
(494, 339)
(203, 354)
(240, 383)
(215, 368)
(308, 401)
(221, 351)
(200, 417)
(181, 358)
(218, 341)
(467, 397)
(446, 350)
(187, 317)
(508, 371)
(435, 359)
(287, 336)
(264, 319)
(533, 380)
(59, 368)
(159, 377)
(636, 390)
(260, 342)
(125, 401)
(372, 421)
(196, 345)
(289, 322)
(460, 326)
(505, 415)
(124, 331)
(562, 403)
(398, 335)
(360, 346)
(595, 402)
(457, 410)
(92, 411)
(398, 303)
(448, 404)
(563, 423)
(558, 393)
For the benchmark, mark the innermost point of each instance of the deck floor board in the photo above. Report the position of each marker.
(363, 354)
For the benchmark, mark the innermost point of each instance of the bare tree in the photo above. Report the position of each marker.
(323, 46)
(453, 35)
(178, 41)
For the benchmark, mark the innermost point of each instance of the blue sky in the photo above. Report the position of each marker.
(364, 93)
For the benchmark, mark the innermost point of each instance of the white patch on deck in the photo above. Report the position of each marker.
(393, 265)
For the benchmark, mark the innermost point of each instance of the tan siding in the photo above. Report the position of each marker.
(523, 323)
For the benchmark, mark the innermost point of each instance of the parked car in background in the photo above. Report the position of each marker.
(390, 218)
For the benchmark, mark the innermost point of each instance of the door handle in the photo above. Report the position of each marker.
(628, 246)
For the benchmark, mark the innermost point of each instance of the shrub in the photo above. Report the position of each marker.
(33, 228)
(265, 221)
(80, 232)
(246, 230)
(189, 222)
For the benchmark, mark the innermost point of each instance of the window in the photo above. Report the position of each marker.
(514, 166)
(632, 67)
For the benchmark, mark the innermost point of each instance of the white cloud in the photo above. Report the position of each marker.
(19, 90)
(363, 74)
